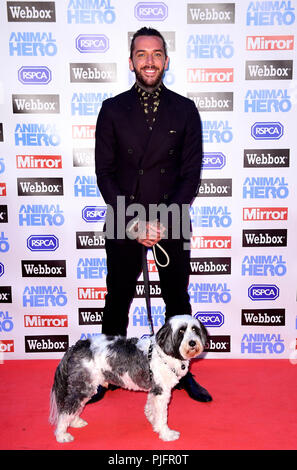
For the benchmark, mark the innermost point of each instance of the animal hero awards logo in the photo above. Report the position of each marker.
(270, 13)
(91, 12)
(36, 44)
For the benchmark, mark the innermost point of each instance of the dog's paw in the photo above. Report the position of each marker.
(169, 435)
(64, 437)
(78, 423)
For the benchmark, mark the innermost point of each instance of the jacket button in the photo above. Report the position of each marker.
(132, 197)
(140, 172)
(171, 152)
(165, 196)
(130, 151)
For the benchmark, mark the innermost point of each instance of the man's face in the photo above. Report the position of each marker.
(148, 60)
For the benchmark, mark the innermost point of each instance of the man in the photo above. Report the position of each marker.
(149, 152)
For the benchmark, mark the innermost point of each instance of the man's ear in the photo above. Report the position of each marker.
(131, 66)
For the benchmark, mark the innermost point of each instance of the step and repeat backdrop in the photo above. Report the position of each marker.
(60, 61)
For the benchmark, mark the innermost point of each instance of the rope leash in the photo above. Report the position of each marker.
(146, 280)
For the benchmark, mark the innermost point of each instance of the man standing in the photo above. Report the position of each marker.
(149, 152)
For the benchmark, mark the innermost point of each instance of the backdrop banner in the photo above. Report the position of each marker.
(237, 62)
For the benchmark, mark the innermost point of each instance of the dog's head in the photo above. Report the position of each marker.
(182, 337)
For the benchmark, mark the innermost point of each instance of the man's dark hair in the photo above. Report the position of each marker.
(147, 32)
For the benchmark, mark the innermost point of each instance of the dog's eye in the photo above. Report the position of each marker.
(182, 331)
(195, 329)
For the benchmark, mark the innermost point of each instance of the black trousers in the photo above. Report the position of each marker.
(124, 265)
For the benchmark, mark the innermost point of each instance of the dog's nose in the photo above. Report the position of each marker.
(192, 343)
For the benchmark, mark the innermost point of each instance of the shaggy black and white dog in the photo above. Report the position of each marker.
(152, 364)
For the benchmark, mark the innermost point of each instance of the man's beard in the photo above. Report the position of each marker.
(146, 83)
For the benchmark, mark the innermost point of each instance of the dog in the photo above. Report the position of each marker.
(152, 364)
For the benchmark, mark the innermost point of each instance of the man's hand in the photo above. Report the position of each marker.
(146, 233)
(151, 233)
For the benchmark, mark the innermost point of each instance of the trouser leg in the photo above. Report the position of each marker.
(123, 270)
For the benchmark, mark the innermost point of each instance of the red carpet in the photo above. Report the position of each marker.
(254, 407)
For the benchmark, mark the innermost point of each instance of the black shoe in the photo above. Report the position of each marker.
(193, 389)
(98, 396)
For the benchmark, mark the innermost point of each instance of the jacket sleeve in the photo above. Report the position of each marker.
(191, 160)
(105, 156)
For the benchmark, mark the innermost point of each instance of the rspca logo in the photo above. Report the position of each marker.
(210, 319)
(209, 46)
(263, 292)
(267, 130)
(32, 44)
(267, 101)
(38, 215)
(44, 296)
(270, 13)
(94, 214)
(34, 75)
(90, 12)
(213, 161)
(92, 43)
(262, 343)
(210, 216)
(31, 12)
(86, 186)
(42, 243)
(41, 135)
(151, 11)
(88, 104)
(206, 292)
(91, 268)
(217, 132)
(265, 188)
(263, 266)
(215, 13)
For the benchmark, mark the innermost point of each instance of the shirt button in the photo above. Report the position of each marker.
(130, 151)
(140, 172)
(132, 197)
(165, 196)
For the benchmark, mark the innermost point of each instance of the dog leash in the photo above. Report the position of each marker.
(146, 280)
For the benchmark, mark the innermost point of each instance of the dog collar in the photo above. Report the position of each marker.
(173, 369)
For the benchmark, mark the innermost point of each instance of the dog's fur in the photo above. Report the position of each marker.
(152, 364)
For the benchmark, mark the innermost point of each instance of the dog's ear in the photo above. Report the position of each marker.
(164, 339)
(204, 333)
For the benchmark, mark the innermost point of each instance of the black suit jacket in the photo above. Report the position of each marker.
(148, 167)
